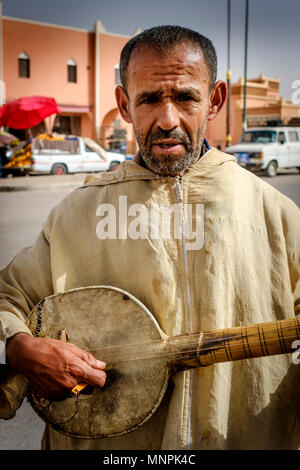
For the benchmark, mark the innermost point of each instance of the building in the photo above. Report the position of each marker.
(77, 67)
(264, 105)
(80, 69)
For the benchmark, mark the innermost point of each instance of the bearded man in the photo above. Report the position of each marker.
(243, 269)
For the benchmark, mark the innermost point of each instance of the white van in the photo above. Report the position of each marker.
(268, 148)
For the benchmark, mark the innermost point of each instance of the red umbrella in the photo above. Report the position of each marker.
(27, 112)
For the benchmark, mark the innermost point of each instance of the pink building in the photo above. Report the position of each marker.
(77, 67)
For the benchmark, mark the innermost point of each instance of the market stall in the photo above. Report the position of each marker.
(25, 113)
(22, 160)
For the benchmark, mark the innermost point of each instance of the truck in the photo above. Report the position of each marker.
(268, 148)
(58, 155)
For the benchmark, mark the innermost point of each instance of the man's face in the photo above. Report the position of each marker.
(168, 103)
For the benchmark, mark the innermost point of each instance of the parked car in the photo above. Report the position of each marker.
(268, 148)
(85, 156)
(59, 155)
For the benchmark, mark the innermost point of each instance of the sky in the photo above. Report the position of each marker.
(274, 29)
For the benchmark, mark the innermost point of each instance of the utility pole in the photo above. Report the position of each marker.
(228, 136)
(97, 79)
(245, 66)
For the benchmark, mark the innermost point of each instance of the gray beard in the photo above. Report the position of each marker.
(167, 166)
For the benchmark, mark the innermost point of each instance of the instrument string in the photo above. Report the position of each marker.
(194, 336)
(203, 350)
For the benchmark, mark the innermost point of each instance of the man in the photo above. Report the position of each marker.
(236, 263)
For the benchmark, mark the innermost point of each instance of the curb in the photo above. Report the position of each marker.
(39, 187)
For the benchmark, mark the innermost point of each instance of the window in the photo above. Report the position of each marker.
(117, 75)
(88, 149)
(293, 136)
(68, 125)
(24, 65)
(263, 137)
(72, 71)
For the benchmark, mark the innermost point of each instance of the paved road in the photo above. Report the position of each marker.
(21, 216)
(288, 184)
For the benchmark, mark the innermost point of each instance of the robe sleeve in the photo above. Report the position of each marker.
(23, 283)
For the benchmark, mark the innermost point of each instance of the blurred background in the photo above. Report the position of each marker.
(69, 50)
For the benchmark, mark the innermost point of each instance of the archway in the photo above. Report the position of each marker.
(112, 132)
(116, 134)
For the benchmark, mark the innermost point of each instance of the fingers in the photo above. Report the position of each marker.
(89, 371)
(93, 362)
(93, 376)
(84, 367)
(87, 357)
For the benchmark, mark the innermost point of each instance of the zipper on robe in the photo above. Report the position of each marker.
(179, 200)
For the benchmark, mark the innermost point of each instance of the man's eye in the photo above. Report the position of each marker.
(149, 100)
(185, 98)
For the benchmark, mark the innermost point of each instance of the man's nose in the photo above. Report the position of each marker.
(168, 117)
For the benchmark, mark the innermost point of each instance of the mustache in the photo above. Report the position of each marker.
(175, 134)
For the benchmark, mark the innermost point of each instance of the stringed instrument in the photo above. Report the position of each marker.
(140, 358)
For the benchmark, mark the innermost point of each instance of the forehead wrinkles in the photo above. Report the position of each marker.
(181, 63)
(167, 81)
(172, 71)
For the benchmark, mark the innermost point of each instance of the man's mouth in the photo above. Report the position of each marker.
(167, 145)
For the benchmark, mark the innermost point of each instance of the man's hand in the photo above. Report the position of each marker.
(53, 367)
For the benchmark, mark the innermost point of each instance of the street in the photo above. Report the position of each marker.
(22, 214)
(287, 183)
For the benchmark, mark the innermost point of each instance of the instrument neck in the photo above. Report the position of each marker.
(233, 344)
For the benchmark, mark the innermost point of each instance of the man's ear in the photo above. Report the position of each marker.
(123, 103)
(217, 99)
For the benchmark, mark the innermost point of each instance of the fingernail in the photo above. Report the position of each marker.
(101, 363)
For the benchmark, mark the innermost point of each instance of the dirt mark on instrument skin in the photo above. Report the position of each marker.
(112, 384)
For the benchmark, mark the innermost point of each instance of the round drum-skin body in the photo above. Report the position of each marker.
(110, 323)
